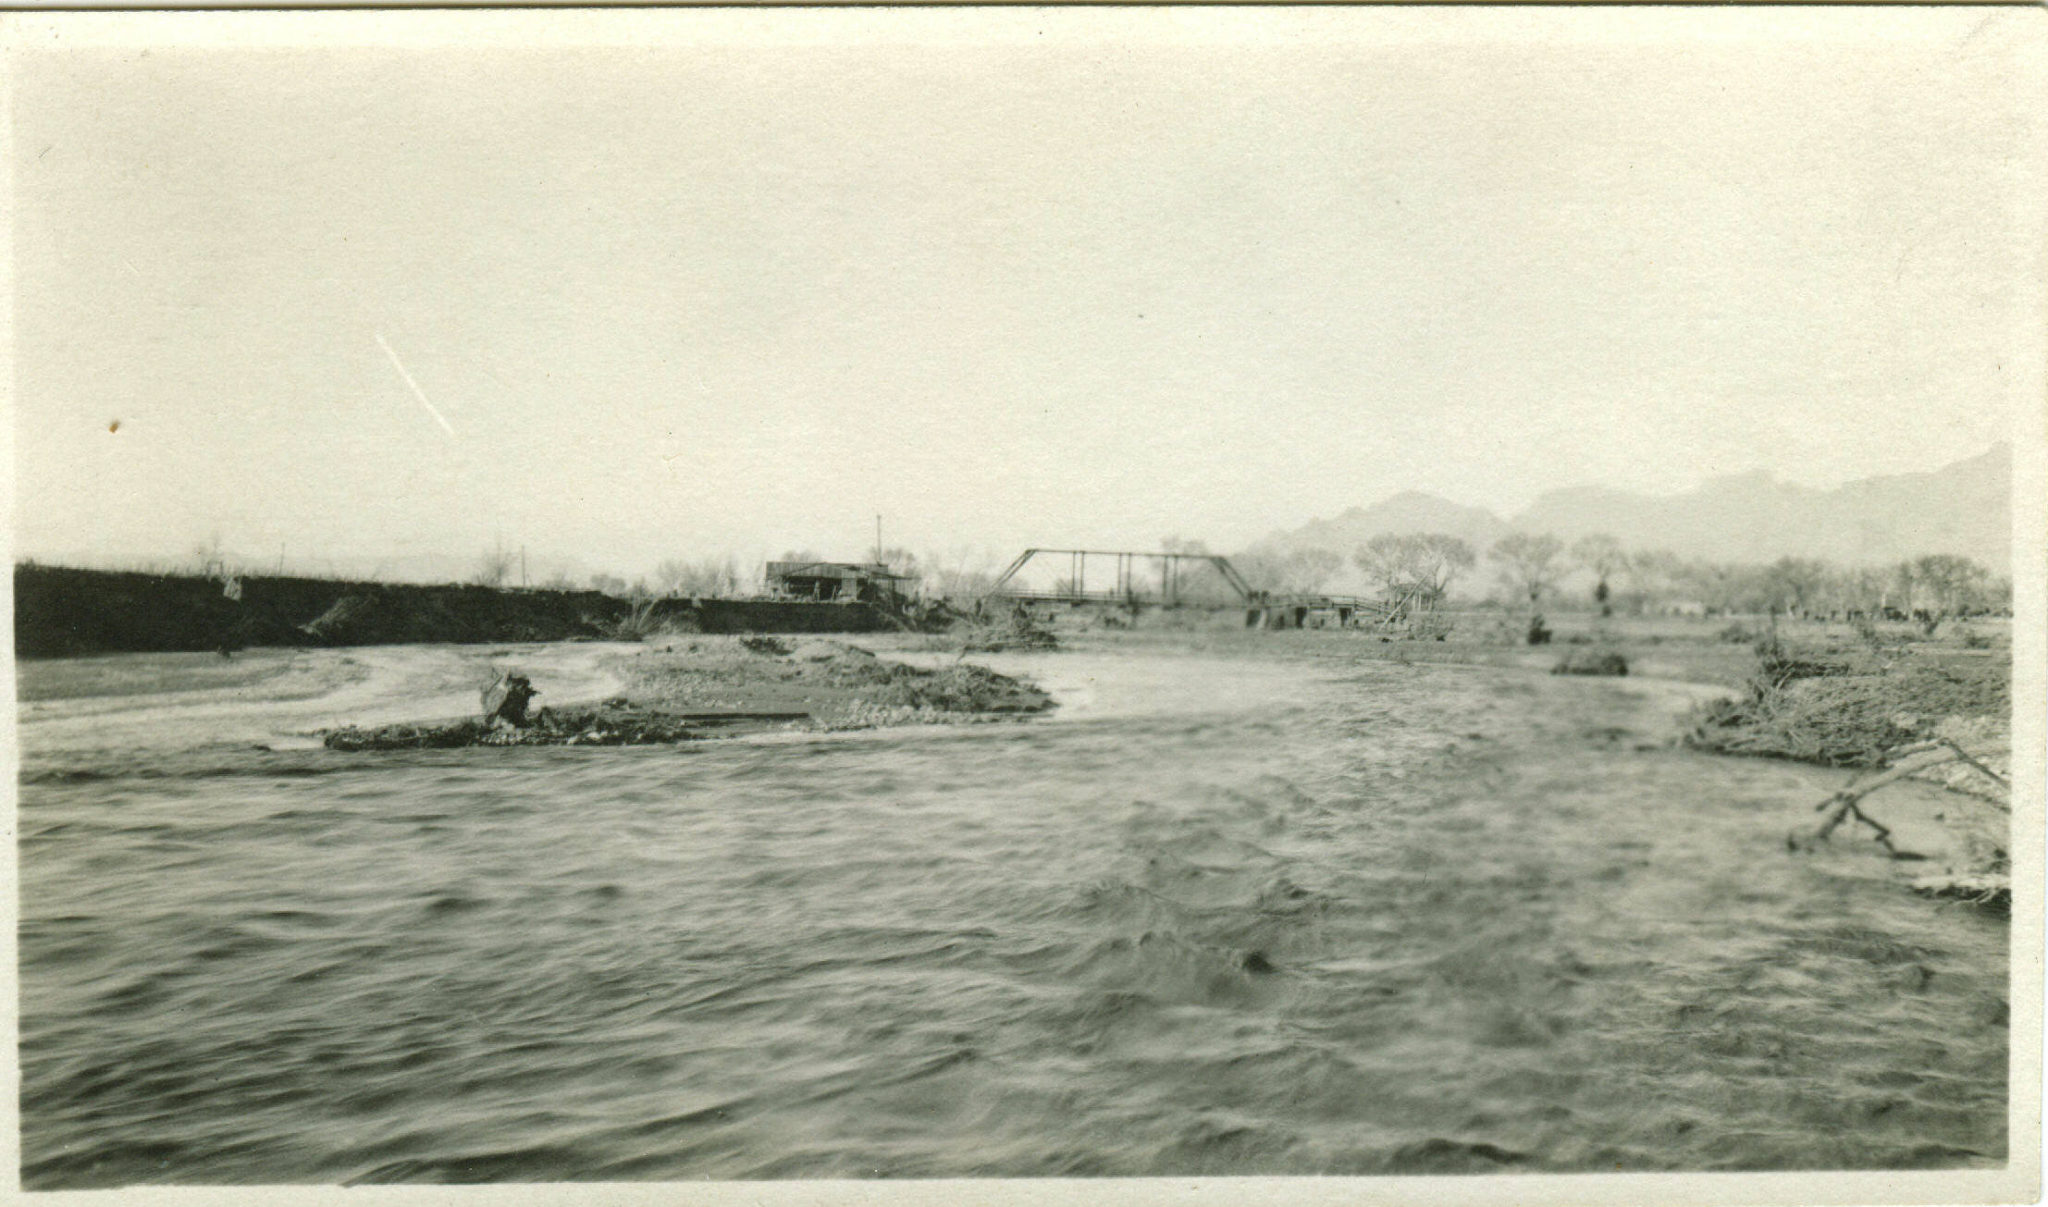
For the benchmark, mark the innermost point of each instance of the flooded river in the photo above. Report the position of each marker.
(1221, 914)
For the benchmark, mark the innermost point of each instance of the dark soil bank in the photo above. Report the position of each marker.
(60, 612)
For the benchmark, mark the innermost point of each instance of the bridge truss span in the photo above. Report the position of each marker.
(1139, 579)
(1135, 577)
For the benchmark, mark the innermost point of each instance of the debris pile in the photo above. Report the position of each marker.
(885, 685)
(1893, 719)
(1591, 662)
(1844, 711)
(614, 723)
(1014, 630)
(720, 686)
(1982, 826)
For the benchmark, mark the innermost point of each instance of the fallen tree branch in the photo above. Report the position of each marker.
(1960, 755)
(1988, 890)
(1845, 804)
(1845, 808)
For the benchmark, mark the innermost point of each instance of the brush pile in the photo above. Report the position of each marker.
(1897, 717)
(1843, 709)
(1591, 662)
(892, 687)
(1015, 631)
(613, 723)
(720, 686)
(836, 682)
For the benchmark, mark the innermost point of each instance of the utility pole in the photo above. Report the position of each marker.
(878, 540)
(522, 567)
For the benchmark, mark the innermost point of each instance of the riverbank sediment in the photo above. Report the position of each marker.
(704, 687)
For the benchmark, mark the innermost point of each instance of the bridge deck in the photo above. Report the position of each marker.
(1356, 603)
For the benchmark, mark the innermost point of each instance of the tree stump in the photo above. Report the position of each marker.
(507, 698)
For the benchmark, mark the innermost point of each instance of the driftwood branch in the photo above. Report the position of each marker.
(1844, 805)
(1986, 890)
(1959, 755)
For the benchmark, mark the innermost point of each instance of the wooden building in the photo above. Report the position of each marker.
(843, 582)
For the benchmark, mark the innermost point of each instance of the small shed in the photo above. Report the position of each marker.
(845, 582)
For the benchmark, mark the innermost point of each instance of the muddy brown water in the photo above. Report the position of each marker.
(1221, 915)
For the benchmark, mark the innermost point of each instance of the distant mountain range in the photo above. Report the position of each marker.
(1964, 508)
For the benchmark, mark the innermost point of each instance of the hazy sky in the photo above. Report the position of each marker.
(739, 281)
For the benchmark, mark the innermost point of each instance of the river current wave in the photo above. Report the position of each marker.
(1217, 916)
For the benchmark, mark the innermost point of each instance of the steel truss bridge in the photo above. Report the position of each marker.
(1140, 579)
(1130, 583)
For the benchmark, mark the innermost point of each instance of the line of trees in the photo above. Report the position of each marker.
(1417, 572)
(1929, 589)
(1296, 572)
(710, 576)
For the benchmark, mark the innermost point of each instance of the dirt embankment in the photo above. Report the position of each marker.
(65, 612)
(60, 612)
(704, 687)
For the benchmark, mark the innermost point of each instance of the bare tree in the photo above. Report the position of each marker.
(1944, 585)
(1528, 563)
(1438, 560)
(1295, 572)
(1792, 585)
(1308, 570)
(1415, 570)
(902, 561)
(1863, 592)
(1191, 583)
(1650, 573)
(1261, 568)
(719, 577)
(210, 558)
(1384, 559)
(716, 577)
(495, 566)
(1603, 555)
(959, 573)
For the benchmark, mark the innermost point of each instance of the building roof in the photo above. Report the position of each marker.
(841, 570)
